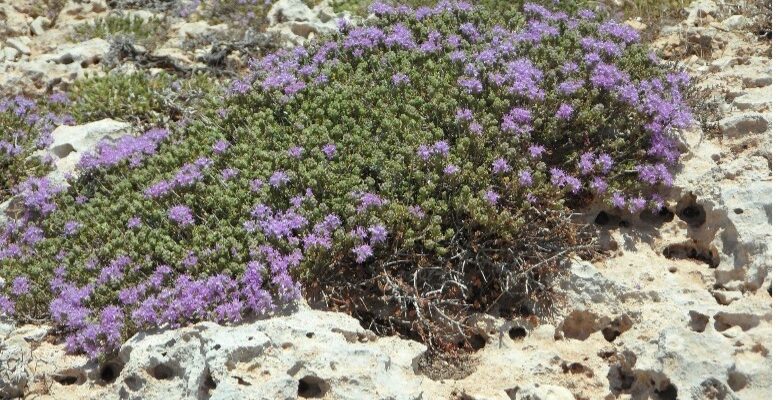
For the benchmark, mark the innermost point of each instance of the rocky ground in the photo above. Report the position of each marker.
(681, 309)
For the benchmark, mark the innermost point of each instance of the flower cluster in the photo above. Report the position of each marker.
(26, 126)
(426, 127)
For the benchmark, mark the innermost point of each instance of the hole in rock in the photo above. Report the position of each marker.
(162, 372)
(209, 383)
(302, 30)
(738, 211)
(669, 393)
(310, 334)
(70, 377)
(63, 150)
(312, 387)
(66, 59)
(624, 224)
(691, 212)
(737, 380)
(693, 251)
(110, 371)
(512, 393)
(664, 215)
(698, 321)
(93, 61)
(133, 383)
(241, 381)
(603, 218)
(617, 327)
(477, 342)
(517, 333)
(580, 324)
(724, 321)
(576, 368)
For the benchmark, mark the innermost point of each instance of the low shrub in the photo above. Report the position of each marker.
(141, 98)
(26, 126)
(144, 32)
(411, 171)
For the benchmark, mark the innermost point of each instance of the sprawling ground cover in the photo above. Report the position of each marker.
(424, 163)
(25, 127)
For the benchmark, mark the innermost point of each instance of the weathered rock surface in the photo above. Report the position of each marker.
(682, 310)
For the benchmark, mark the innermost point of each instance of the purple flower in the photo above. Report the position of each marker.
(599, 185)
(605, 162)
(181, 215)
(399, 79)
(59, 98)
(450, 169)
(536, 151)
(131, 148)
(569, 67)
(20, 286)
(362, 252)
(228, 173)
(278, 179)
(501, 166)
(417, 212)
(491, 197)
(606, 76)
(296, 152)
(464, 114)
(620, 31)
(7, 306)
(111, 324)
(134, 222)
(586, 163)
(71, 227)
(475, 128)
(329, 150)
(400, 36)
(368, 200)
(424, 152)
(565, 111)
(636, 204)
(654, 174)
(256, 185)
(470, 85)
(618, 200)
(442, 148)
(470, 31)
(570, 87)
(220, 146)
(517, 121)
(378, 234)
(190, 260)
(525, 178)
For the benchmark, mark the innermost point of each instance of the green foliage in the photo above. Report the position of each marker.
(144, 32)
(142, 98)
(378, 127)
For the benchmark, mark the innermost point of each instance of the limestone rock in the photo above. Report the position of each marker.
(71, 142)
(20, 45)
(293, 21)
(736, 22)
(14, 374)
(743, 124)
(542, 392)
(39, 25)
(12, 22)
(304, 353)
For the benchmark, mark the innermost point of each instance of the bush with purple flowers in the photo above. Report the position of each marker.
(26, 126)
(424, 164)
